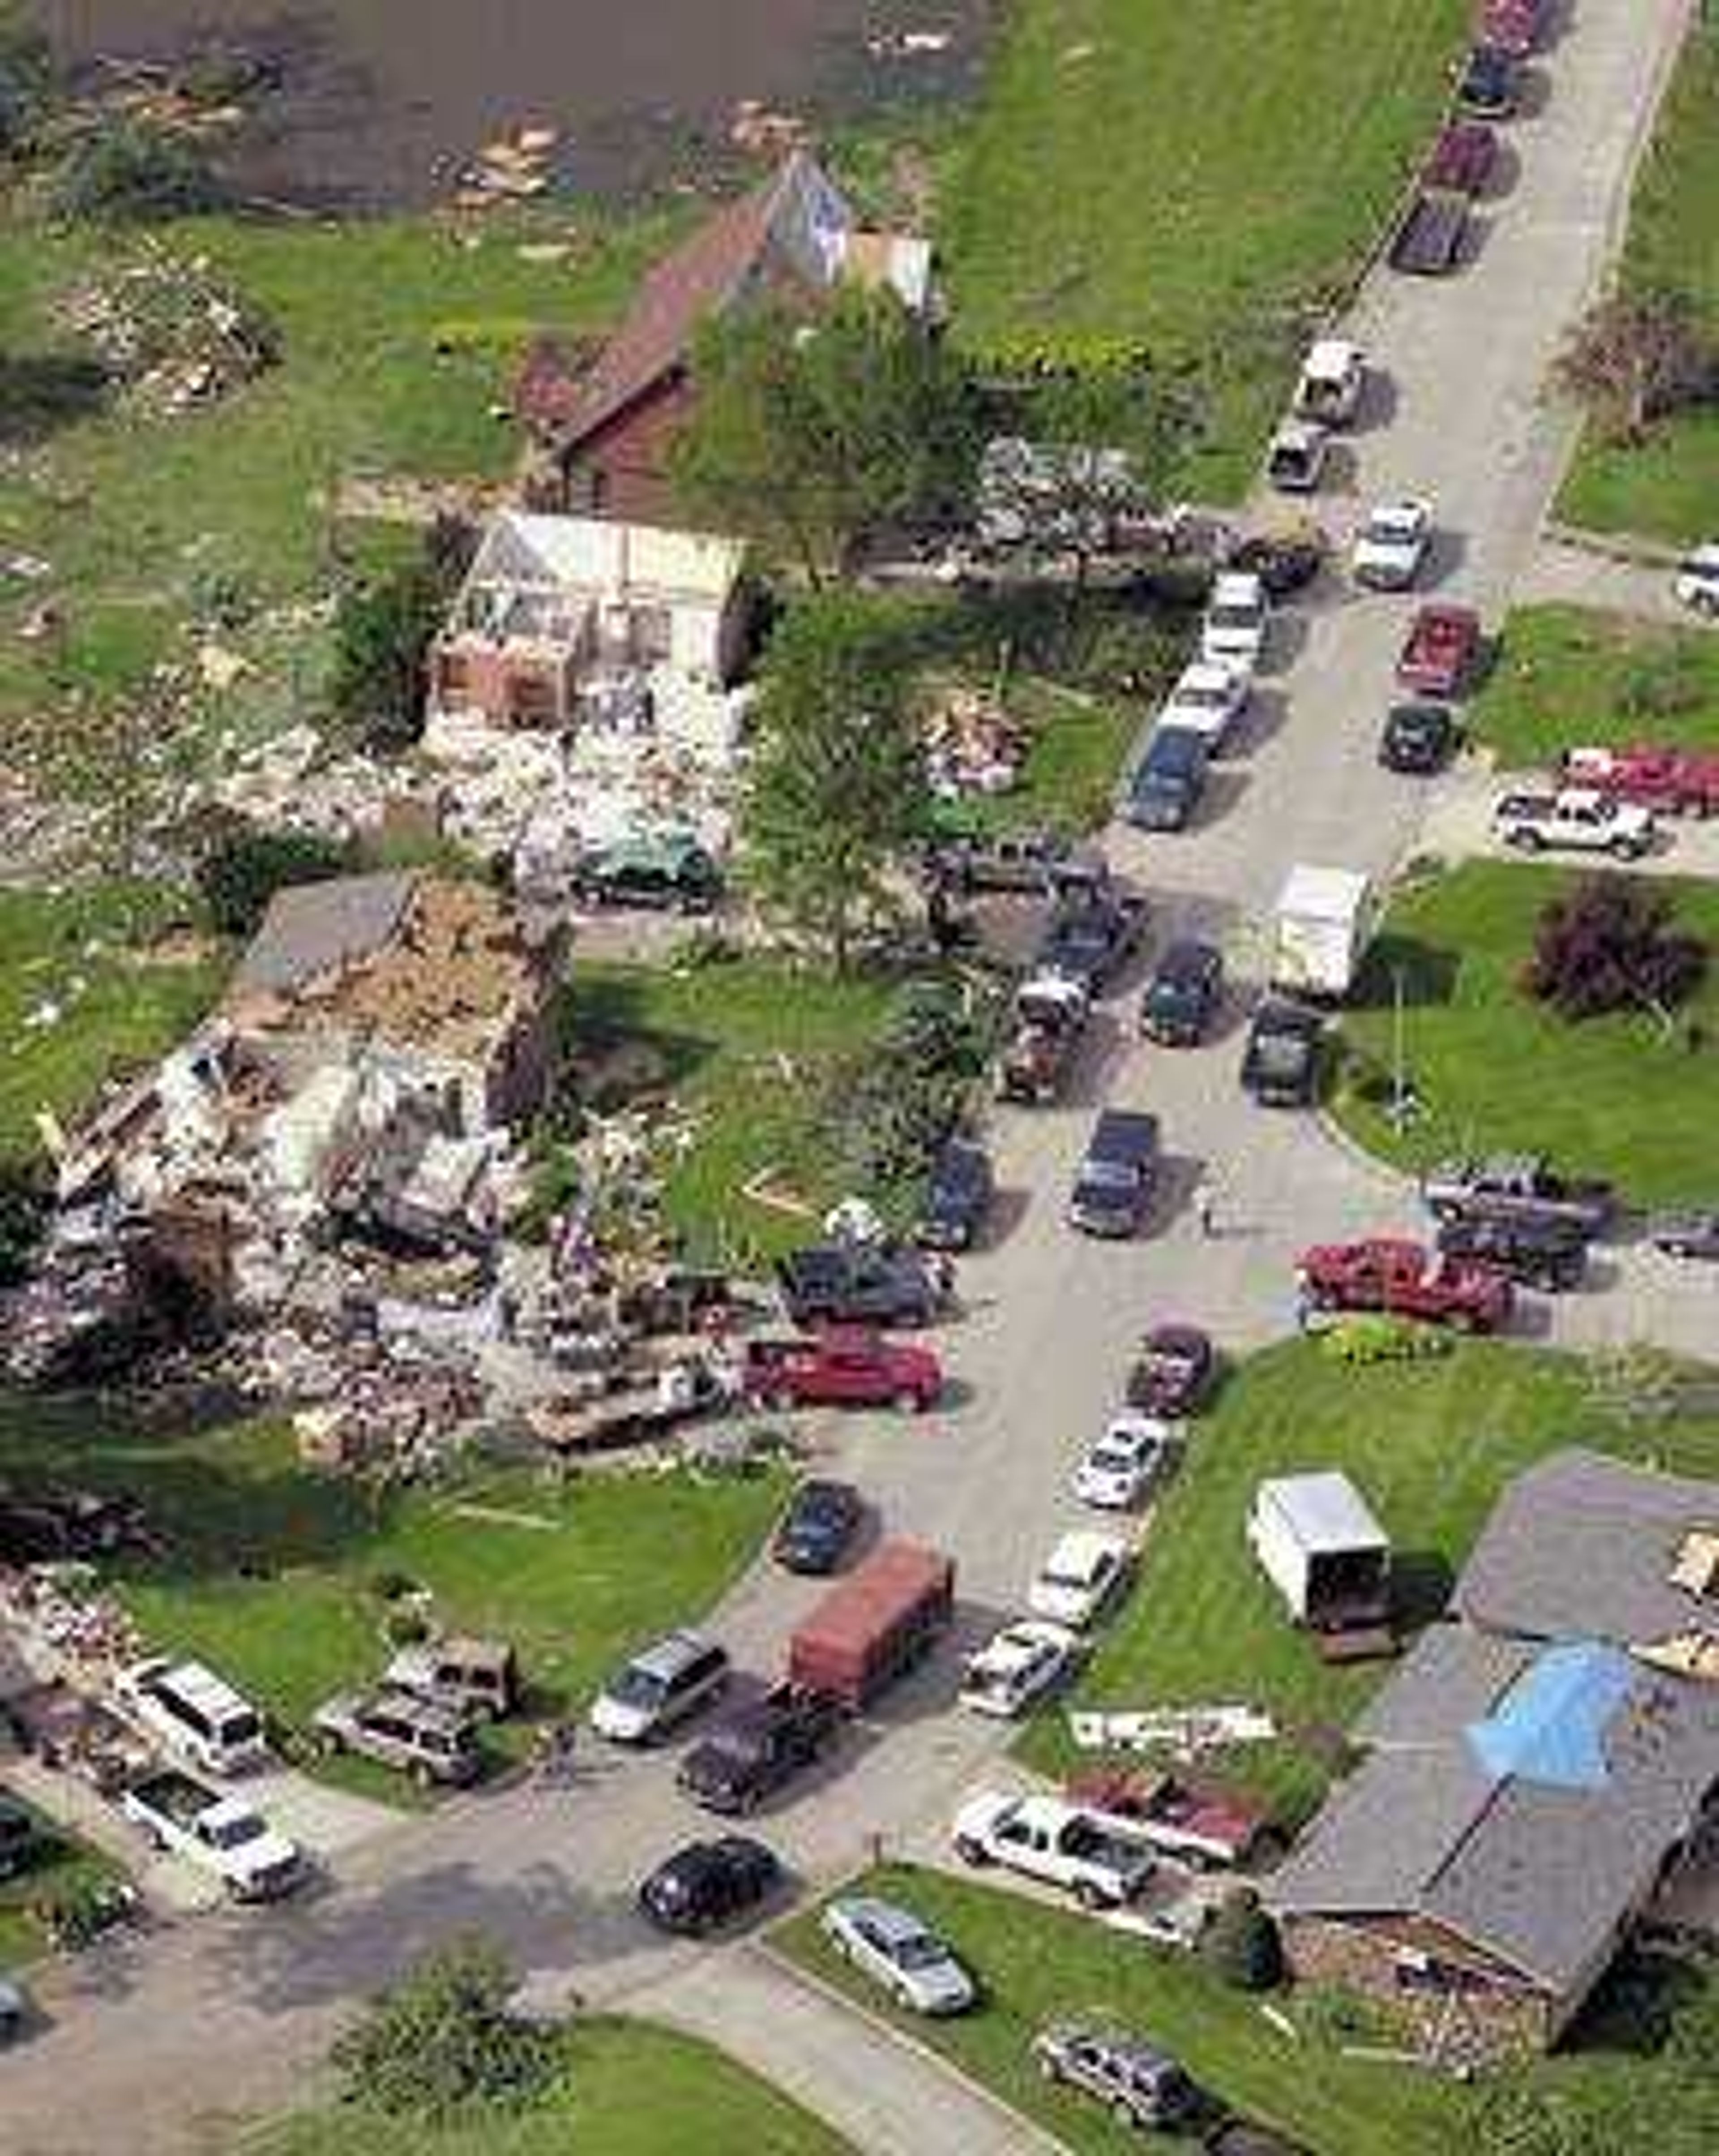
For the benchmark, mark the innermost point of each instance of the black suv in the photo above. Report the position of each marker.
(750, 1752)
(820, 1522)
(1490, 84)
(1186, 988)
(1090, 939)
(1550, 1254)
(1279, 1065)
(707, 1882)
(957, 1196)
(852, 1284)
(1418, 738)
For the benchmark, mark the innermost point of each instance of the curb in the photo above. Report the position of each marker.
(1629, 550)
(1032, 2136)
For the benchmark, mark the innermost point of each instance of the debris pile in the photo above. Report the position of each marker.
(757, 130)
(169, 331)
(972, 745)
(516, 167)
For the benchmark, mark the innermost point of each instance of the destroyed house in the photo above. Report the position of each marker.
(795, 239)
(1540, 1765)
(554, 606)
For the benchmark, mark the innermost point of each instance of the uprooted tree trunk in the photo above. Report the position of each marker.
(1635, 358)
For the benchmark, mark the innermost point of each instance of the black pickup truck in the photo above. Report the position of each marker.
(1433, 237)
(752, 1751)
(1516, 1187)
(854, 1284)
(1113, 1184)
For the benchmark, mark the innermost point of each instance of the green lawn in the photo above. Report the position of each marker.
(63, 1869)
(272, 1571)
(1189, 179)
(1430, 1444)
(1569, 676)
(1614, 1097)
(744, 1047)
(1035, 1963)
(631, 2090)
(1668, 488)
(78, 953)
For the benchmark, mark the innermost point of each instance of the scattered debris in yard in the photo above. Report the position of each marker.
(1184, 1730)
(169, 331)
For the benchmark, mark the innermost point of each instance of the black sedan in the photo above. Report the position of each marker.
(707, 1883)
(1173, 1372)
(1280, 1067)
(1417, 738)
(1690, 1232)
(957, 1196)
(1490, 85)
(818, 1529)
(1186, 988)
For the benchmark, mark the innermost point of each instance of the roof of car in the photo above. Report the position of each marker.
(1237, 587)
(410, 1707)
(887, 1918)
(667, 1657)
(1332, 356)
(1085, 1550)
(1175, 1340)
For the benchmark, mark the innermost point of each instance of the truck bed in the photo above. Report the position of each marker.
(1429, 241)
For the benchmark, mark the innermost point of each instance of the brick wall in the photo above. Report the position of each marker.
(1496, 2015)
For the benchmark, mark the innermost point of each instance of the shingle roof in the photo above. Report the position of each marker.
(310, 928)
(1451, 1678)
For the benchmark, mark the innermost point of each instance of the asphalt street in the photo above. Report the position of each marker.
(157, 2045)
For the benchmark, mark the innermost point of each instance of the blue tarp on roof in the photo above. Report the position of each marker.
(1548, 1727)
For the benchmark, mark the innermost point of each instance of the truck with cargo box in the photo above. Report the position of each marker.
(876, 1625)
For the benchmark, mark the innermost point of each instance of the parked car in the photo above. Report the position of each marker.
(1440, 651)
(1387, 1273)
(843, 1283)
(1332, 377)
(817, 1531)
(1035, 862)
(1464, 158)
(1547, 1254)
(1417, 738)
(1125, 1462)
(958, 1192)
(1691, 1231)
(1516, 1186)
(1142, 2085)
(1281, 1062)
(1574, 819)
(889, 1944)
(1059, 1843)
(1044, 1040)
(1022, 1662)
(1391, 547)
(1083, 1574)
(708, 1883)
(1088, 940)
(1490, 84)
(1432, 234)
(1197, 1823)
(1165, 786)
(757, 1747)
(1295, 460)
(671, 873)
(1183, 994)
(845, 1367)
(660, 1687)
(1237, 621)
(1696, 582)
(197, 1715)
(1671, 781)
(1512, 26)
(397, 1729)
(477, 1678)
(1173, 1372)
(1208, 700)
(1117, 1179)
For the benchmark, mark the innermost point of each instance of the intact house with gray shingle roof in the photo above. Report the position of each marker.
(1540, 1763)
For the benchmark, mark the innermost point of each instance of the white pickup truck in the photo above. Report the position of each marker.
(1059, 1843)
(1576, 819)
(220, 1835)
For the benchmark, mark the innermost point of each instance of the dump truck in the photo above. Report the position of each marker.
(875, 1625)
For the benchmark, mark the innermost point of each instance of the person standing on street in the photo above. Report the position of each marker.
(1205, 1206)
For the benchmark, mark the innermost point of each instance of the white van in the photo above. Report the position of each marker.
(195, 1715)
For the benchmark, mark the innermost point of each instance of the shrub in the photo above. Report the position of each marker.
(1609, 945)
(442, 2040)
(1240, 1945)
(125, 172)
(1376, 1336)
(26, 79)
(241, 871)
(382, 633)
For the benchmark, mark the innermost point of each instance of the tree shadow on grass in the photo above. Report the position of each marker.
(1427, 975)
(1638, 2002)
(1421, 1581)
(616, 1054)
(41, 392)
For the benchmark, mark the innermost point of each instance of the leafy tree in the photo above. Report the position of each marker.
(127, 172)
(442, 2040)
(382, 633)
(1635, 356)
(241, 868)
(807, 434)
(837, 793)
(1240, 1945)
(1610, 945)
(26, 77)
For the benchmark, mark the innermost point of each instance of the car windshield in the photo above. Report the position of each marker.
(240, 1729)
(1112, 1173)
(637, 1687)
(1072, 1571)
(1203, 696)
(233, 1833)
(1114, 1455)
(1234, 614)
(918, 1950)
(1281, 1051)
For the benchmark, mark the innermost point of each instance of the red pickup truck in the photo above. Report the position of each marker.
(1462, 159)
(1676, 781)
(1196, 1821)
(843, 1368)
(1439, 651)
(1408, 1281)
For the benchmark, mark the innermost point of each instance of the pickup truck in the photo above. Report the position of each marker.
(1462, 158)
(1196, 1821)
(1439, 651)
(1516, 1186)
(220, 1835)
(1089, 939)
(1546, 1253)
(1676, 781)
(753, 1750)
(843, 1366)
(1432, 237)
(1026, 861)
(1332, 377)
(1407, 1281)
(1576, 819)
(1051, 1014)
(1101, 1865)
(1114, 1184)
(857, 1284)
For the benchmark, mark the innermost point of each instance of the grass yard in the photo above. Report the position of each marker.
(1073, 764)
(1431, 1445)
(1569, 676)
(743, 1047)
(273, 1571)
(1667, 488)
(1036, 1963)
(631, 2090)
(87, 955)
(1193, 180)
(1612, 1097)
(63, 1870)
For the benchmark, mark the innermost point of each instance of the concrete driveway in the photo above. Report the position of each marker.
(165, 2039)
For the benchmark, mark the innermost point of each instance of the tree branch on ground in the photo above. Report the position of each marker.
(1636, 357)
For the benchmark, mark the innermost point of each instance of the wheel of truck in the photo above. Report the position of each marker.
(1625, 849)
(909, 1402)
(1462, 1321)
(1123, 2113)
(1524, 841)
(1050, 2070)
(1090, 1898)
(972, 1852)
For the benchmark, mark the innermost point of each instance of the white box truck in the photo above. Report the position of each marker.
(1317, 1542)
(1320, 928)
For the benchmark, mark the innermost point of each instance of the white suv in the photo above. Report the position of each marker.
(1232, 633)
(1079, 1577)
